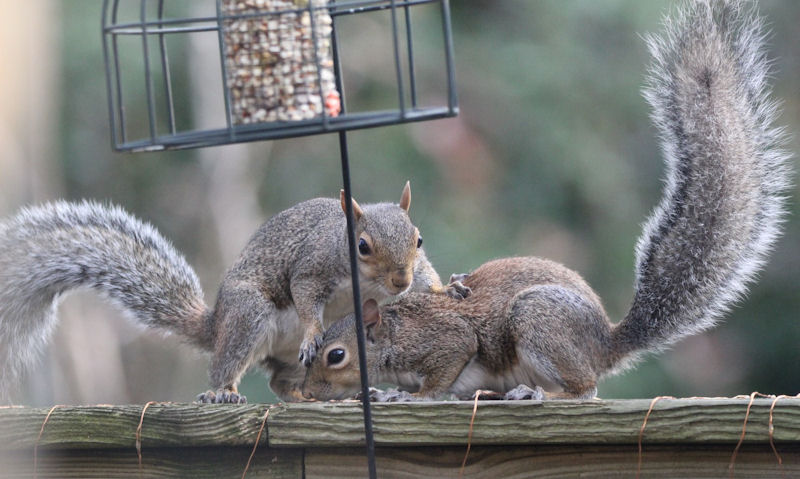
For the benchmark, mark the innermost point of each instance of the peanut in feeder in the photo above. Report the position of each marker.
(279, 66)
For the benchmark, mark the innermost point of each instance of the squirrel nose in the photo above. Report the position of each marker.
(401, 279)
(399, 283)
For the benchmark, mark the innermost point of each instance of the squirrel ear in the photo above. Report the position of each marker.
(405, 197)
(357, 213)
(372, 315)
(372, 319)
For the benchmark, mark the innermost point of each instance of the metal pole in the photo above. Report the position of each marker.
(362, 344)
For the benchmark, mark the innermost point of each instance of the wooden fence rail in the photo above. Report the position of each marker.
(681, 438)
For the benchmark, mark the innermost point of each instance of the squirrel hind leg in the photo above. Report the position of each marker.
(221, 396)
(242, 339)
(523, 392)
(561, 340)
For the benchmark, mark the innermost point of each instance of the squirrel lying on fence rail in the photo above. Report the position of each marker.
(535, 323)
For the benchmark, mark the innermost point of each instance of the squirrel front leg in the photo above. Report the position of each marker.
(426, 280)
(442, 368)
(309, 302)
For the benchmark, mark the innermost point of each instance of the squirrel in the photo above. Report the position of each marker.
(291, 280)
(533, 328)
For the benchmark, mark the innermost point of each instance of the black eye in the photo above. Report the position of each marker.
(335, 356)
(363, 247)
(419, 242)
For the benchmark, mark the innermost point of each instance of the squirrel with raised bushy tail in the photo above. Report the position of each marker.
(533, 328)
(291, 279)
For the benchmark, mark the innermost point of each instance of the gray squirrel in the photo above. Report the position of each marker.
(291, 279)
(533, 328)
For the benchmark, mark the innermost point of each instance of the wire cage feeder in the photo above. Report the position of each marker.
(282, 68)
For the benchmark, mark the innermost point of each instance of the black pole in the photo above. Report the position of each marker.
(362, 344)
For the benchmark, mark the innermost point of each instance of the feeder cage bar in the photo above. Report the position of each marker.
(410, 50)
(165, 68)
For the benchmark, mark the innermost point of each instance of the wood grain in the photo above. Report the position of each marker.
(683, 438)
(610, 461)
(534, 422)
(687, 421)
(106, 426)
(194, 462)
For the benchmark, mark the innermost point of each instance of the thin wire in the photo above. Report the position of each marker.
(139, 435)
(641, 431)
(148, 78)
(732, 464)
(412, 80)
(39, 438)
(469, 434)
(397, 63)
(117, 75)
(226, 92)
(452, 97)
(107, 62)
(258, 439)
(165, 70)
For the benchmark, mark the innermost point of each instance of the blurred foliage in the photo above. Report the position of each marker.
(552, 155)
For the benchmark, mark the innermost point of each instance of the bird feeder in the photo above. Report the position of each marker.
(282, 68)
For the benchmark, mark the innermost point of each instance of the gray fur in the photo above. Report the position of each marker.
(726, 173)
(47, 251)
(293, 274)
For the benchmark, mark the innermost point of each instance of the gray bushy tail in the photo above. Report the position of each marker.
(726, 173)
(49, 250)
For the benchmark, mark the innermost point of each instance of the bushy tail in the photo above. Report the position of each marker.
(49, 250)
(726, 174)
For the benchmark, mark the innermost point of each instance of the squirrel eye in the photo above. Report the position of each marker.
(363, 247)
(419, 242)
(335, 356)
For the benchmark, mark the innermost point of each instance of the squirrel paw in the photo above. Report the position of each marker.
(222, 396)
(389, 395)
(458, 278)
(524, 392)
(456, 289)
(308, 349)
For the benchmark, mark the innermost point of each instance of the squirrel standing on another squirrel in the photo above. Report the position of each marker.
(534, 323)
(292, 278)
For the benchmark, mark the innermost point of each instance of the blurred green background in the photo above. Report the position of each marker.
(552, 155)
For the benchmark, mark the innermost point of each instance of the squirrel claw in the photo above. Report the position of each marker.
(456, 289)
(389, 395)
(524, 392)
(222, 396)
(308, 349)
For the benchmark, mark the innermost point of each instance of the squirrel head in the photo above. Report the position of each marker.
(387, 243)
(335, 372)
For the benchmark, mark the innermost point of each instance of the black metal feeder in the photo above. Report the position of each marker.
(282, 68)
(282, 73)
